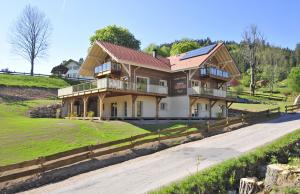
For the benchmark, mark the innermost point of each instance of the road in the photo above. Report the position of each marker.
(146, 173)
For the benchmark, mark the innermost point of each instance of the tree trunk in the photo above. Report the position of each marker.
(32, 66)
(252, 83)
(249, 186)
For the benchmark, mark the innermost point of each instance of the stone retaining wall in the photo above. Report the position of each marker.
(50, 111)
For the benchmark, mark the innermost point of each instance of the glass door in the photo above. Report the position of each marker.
(114, 110)
(141, 84)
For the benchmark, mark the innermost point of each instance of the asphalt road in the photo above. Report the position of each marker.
(146, 173)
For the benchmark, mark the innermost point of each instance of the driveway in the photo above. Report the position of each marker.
(149, 172)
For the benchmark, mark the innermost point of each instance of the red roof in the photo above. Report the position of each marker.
(177, 64)
(136, 57)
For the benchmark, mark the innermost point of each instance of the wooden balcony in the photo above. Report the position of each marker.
(212, 72)
(107, 68)
(212, 93)
(113, 85)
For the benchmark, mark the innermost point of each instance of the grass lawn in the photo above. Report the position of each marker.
(30, 81)
(264, 105)
(23, 138)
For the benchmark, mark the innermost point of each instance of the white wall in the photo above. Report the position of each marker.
(177, 106)
(73, 70)
(120, 100)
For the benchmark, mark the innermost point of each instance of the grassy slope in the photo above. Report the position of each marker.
(29, 81)
(265, 104)
(23, 138)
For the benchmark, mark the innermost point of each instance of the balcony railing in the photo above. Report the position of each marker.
(107, 83)
(210, 92)
(109, 66)
(212, 71)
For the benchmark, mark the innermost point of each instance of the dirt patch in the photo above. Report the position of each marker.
(15, 93)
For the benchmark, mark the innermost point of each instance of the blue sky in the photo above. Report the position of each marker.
(152, 21)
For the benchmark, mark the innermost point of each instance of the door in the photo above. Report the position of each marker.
(114, 110)
(142, 84)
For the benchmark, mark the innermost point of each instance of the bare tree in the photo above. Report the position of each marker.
(252, 40)
(30, 35)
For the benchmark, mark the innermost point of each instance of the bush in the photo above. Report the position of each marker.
(294, 79)
(239, 89)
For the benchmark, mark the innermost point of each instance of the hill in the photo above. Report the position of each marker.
(32, 81)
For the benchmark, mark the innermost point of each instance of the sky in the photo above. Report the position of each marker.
(152, 21)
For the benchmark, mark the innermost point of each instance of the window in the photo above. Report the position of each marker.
(125, 109)
(163, 83)
(139, 108)
(163, 106)
(195, 83)
(206, 107)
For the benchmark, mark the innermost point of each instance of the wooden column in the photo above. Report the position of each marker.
(100, 101)
(85, 100)
(71, 106)
(133, 98)
(158, 99)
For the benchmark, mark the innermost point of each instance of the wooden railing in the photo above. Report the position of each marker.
(270, 97)
(44, 75)
(61, 159)
(292, 108)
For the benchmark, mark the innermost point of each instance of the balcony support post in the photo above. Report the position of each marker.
(133, 98)
(101, 97)
(158, 99)
(227, 107)
(71, 106)
(85, 101)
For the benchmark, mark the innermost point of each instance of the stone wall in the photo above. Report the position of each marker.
(15, 93)
(50, 111)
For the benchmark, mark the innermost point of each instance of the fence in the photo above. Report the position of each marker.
(270, 97)
(44, 75)
(58, 160)
(291, 108)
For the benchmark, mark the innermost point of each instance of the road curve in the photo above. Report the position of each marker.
(146, 173)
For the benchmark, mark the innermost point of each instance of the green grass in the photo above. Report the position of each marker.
(31, 81)
(23, 138)
(264, 104)
(226, 176)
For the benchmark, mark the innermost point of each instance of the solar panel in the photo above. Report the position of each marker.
(198, 52)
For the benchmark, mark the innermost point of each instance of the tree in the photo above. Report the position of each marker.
(116, 35)
(183, 46)
(30, 37)
(161, 50)
(252, 41)
(297, 54)
(294, 79)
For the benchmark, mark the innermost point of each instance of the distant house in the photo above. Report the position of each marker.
(68, 69)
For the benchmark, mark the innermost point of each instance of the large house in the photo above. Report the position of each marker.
(132, 84)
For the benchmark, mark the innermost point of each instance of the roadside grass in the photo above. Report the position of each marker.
(23, 138)
(32, 81)
(226, 175)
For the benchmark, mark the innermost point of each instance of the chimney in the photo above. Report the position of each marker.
(154, 53)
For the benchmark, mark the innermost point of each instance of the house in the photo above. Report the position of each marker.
(68, 69)
(132, 84)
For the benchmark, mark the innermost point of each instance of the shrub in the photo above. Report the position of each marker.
(294, 79)
(90, 114)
